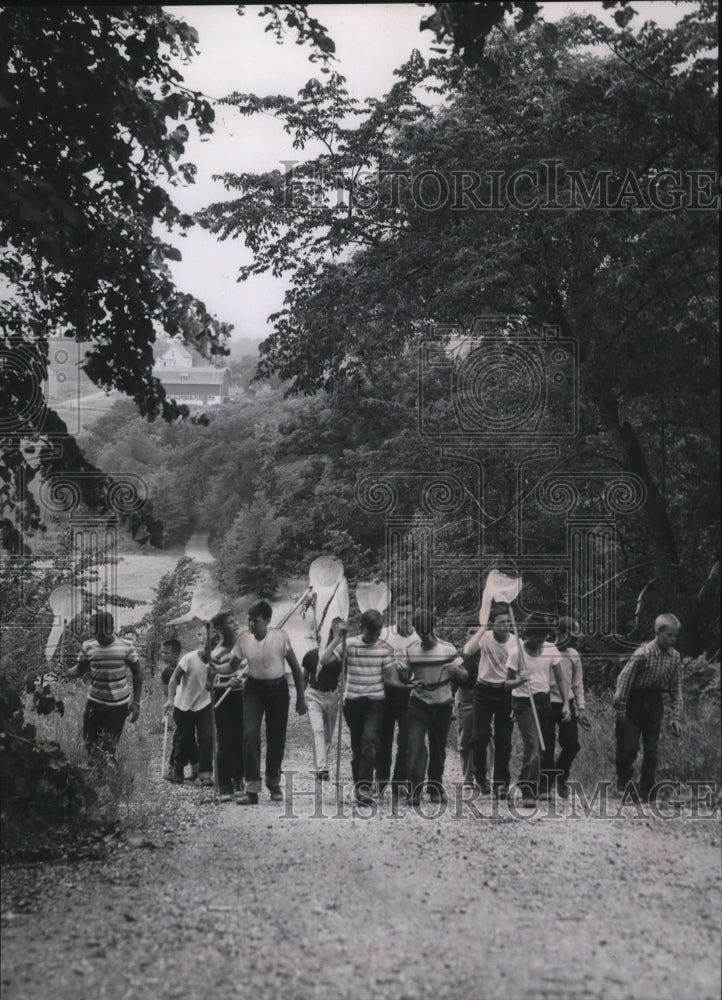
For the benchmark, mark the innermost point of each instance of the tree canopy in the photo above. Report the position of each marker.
(575, 188)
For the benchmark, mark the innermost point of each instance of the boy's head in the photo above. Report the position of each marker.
(170, 650)
(372, 623)
(566, 630)
(667, 628)
(500, 621)
(225, 623)
(536, 628)
(404, 613)
(424, 622)
(259, 615)
(101, 625)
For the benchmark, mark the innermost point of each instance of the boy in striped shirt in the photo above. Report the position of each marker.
(432, 665)
(108, 659)
(368, 663)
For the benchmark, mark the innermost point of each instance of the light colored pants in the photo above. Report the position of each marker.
(322, 713)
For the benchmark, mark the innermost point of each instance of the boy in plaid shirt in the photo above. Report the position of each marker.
(652, 668)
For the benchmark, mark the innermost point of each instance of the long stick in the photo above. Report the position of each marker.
(522, 665)
(165, 744)
(341, 685)
(296, 606)
(214, 740)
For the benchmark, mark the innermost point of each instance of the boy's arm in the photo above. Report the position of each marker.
(562, 688)
(82, 664)
(172, 688)
(474, 643)
(331, 651)
(675, 691)
(625, 682)
(133, 664)
(513, 679)
(578, 684)
(297, 680)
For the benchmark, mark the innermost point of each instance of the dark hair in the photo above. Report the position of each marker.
(496, 610)
(172, 644)
(101, 621)
(423, 621)
(218, 620)
(534, 624)
(372, 620)
(262, 608)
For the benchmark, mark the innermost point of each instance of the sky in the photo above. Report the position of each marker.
(236, 54)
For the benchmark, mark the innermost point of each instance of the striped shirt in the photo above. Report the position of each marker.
(365, 666)
(571, 664)
(108, 666)
(538, 667)
(651, 668)
(429, 667)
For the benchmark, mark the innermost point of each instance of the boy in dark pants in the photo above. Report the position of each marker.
(652, 668)
(267, 651)
(396, 707)
(571, 666)
(190, 702)
(531, 665)
(108, 659)
(228, 686)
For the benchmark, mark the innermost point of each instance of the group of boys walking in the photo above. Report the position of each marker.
(400, 681)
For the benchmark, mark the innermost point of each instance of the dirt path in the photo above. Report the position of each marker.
(276, 901)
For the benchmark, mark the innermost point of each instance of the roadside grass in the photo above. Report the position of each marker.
(128, 790)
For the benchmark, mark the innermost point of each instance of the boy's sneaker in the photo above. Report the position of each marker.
(193, 776)
(249, 799)
(206, 782)
(176, 777)
(225, 795)
(563, 790)
(276, 794)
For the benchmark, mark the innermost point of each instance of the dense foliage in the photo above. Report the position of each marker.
(383, 235)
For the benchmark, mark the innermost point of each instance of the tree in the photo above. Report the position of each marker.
(600, 231)
(95, 120)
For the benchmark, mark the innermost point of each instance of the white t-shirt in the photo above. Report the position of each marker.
(267, 656)
(539, 667)
(494, 658)
(191, 694)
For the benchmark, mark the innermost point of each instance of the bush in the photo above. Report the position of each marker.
(46, 798)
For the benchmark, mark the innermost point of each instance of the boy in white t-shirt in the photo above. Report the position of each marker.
(267, 651)
(190, 702)
(529, 669)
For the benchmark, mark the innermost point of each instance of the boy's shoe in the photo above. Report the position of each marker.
(485, 788)
(176, 777)
(193, 776)
(276, 794)
(206, 782)
(249, 799)
(437, 795)
(225, 796)
(322, 775)
(563, 790)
